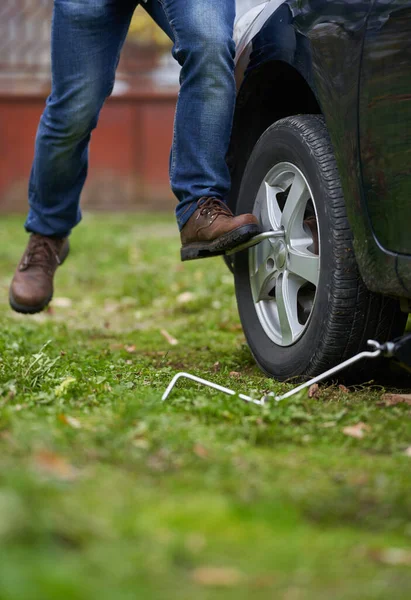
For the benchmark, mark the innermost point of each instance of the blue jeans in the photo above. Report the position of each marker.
(87, 37)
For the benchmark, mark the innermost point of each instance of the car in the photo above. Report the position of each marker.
(321, 153)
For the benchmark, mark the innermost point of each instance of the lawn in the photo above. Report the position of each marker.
(108, 493)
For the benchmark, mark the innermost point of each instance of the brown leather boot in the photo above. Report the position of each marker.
(213, 229)
(32, 287)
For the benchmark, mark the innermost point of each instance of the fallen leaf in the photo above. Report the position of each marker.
(394, 399)
(343, 389)
(407, 451)
(200, 451)
(235, 374)
(130, 349)
(314, 391)
(216, 367)
(72, 421)
(54, 465)
(170, 339)
(217, 576)
(356, 431)
(62, 302)
(185, 297)
(141, 443)
(61, 389)
(391, 556)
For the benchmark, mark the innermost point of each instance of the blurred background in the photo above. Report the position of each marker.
(130, 148)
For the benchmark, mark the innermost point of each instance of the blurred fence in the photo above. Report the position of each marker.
(129, 158)
(25, 37)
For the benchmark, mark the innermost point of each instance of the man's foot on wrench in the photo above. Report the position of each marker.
(213, 229)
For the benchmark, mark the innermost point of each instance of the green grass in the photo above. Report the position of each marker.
(107, 493)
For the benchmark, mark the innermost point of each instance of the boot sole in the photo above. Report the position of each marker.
(28, 310)
(32, 310)
(218, 247)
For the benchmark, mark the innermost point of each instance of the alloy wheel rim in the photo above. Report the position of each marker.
(284, 272)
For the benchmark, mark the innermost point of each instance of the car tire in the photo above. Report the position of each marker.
(339, 313)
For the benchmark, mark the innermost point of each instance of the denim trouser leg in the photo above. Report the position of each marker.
(204, 47)
(87, 36)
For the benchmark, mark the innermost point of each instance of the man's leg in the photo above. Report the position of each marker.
(87, 36)
(204, 47)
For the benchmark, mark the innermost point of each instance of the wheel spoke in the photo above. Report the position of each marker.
(263, 284)
(294, 208)
(262, 272)
(304, 264)
(286, 291)
(266, 207)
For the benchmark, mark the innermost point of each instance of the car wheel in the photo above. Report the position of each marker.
(301, 300)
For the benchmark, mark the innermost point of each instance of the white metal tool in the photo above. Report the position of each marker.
(377, 350)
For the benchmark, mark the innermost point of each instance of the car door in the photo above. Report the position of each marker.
(385, 123)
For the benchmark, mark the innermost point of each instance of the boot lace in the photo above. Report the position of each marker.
(213, 206)
(41, 252)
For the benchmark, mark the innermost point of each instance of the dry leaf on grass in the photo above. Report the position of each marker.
(63, 387)
(391, 556)
(130, 349)
(53, 465)
(217, 576)
(72, 421)
(394, 399)
(216, 367)
(329, 424)
(200, 451)
(62, 302)
(357, 431)
(235, 374)
(314, 391)
(407, 451)
(343, 389)
(170, 339)
(185, 297)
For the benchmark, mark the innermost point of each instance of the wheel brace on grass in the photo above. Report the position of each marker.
(399, 349)
(87, 38)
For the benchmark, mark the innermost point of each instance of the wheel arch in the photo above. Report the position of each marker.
(271, 92)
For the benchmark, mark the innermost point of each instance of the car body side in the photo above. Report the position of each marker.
(305, 57)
